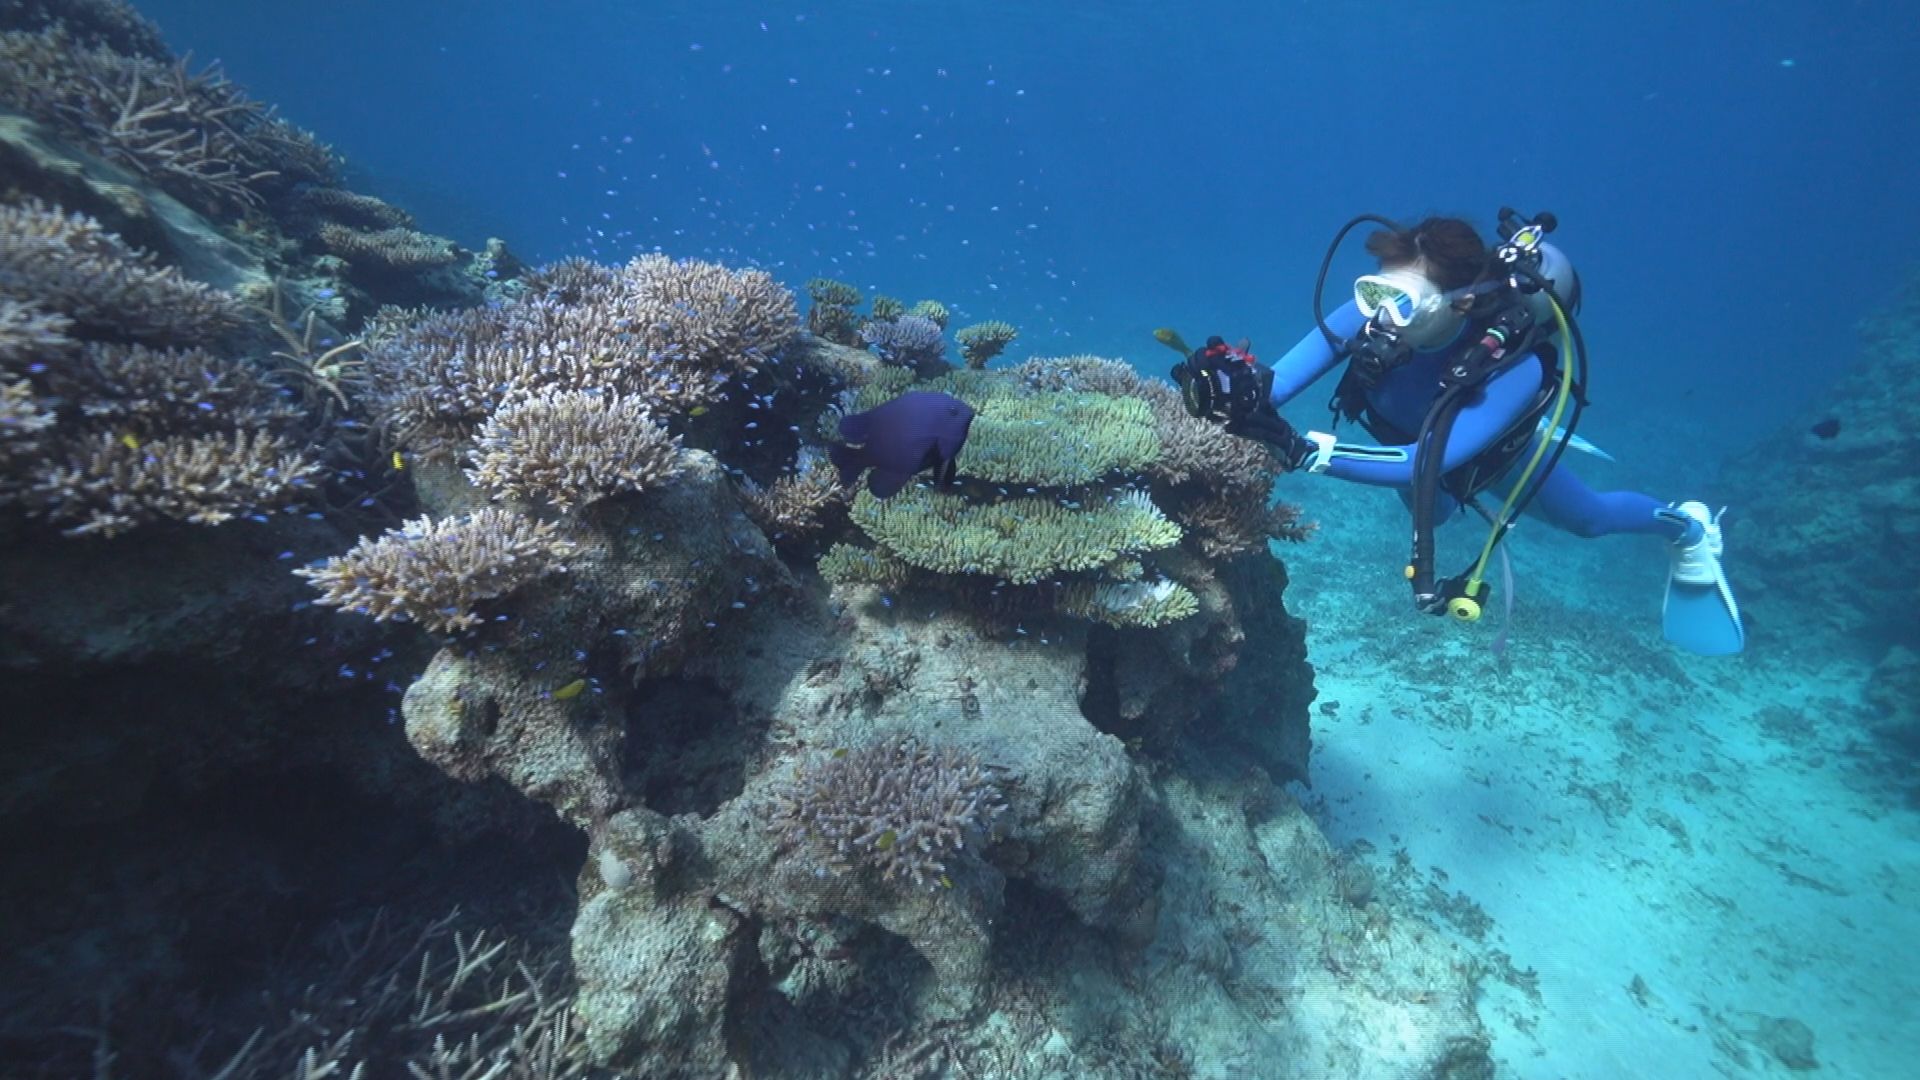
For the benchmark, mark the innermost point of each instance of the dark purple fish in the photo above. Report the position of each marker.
(910, 434)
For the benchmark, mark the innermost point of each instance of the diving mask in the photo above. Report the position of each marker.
(1409, 303)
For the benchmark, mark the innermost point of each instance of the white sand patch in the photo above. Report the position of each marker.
(1677, 847)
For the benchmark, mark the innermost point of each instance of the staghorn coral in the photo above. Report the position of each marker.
(394, 248)
(569, 447)
(795, 506)
(982, 342)
(1023, 539)
(30, 336)
(706, 315)
(110, 24)
(192, 133)
(910, 341)
(666, 333)
(24, 419)
(108, 484)
(894, 805)
(149, 392)
(1224, 528)
(435, 573)
(68, 263)
(932, 310)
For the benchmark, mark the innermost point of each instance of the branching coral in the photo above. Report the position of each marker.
(910, 341)
(436, 573)
(352, 208)
(1023, 539)
(899, 807)
(569, 447)
(666, 333)
(830, 312)
(706, 315)
(111, 484)
(150, 392)
(795, 506)
(394, 248)
(108, 23)
(68, 263)
(982, 342)
(30, 336)
(932, 310)
(194, 134)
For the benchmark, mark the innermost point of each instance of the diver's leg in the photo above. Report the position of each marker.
(1699, 614)
(1572, 506)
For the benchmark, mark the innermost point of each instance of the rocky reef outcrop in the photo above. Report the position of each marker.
(348, 569)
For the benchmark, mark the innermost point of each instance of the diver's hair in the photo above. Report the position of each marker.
(1455, 254)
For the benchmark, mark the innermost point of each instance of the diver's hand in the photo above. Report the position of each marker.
(1292, 448)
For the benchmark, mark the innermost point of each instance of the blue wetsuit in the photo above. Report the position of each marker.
(1402, 399)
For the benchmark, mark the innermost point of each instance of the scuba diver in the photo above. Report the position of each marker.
(1468, 369)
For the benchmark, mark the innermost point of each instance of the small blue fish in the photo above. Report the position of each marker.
(913, 433)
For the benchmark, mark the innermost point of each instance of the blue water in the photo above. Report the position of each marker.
(1733, 180)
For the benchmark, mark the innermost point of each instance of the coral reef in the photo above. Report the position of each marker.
(797, 505)
(894, 806)
(123, 432)
(663, 333)
(192, 133)
(569, 447)
(67, 263)
(390, 249)
(110, 24)
(982, 342)
(910, 341)
(830, 315)
(931, 310)
(1023, 539)
(436, 573)
(114, 483)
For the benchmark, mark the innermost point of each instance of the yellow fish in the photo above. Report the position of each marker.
(398, 461)
(128, 440)
(570, 691)
(697, 410)
(1171, 339)
(886, 840)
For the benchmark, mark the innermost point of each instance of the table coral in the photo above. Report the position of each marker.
(1021, 539)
